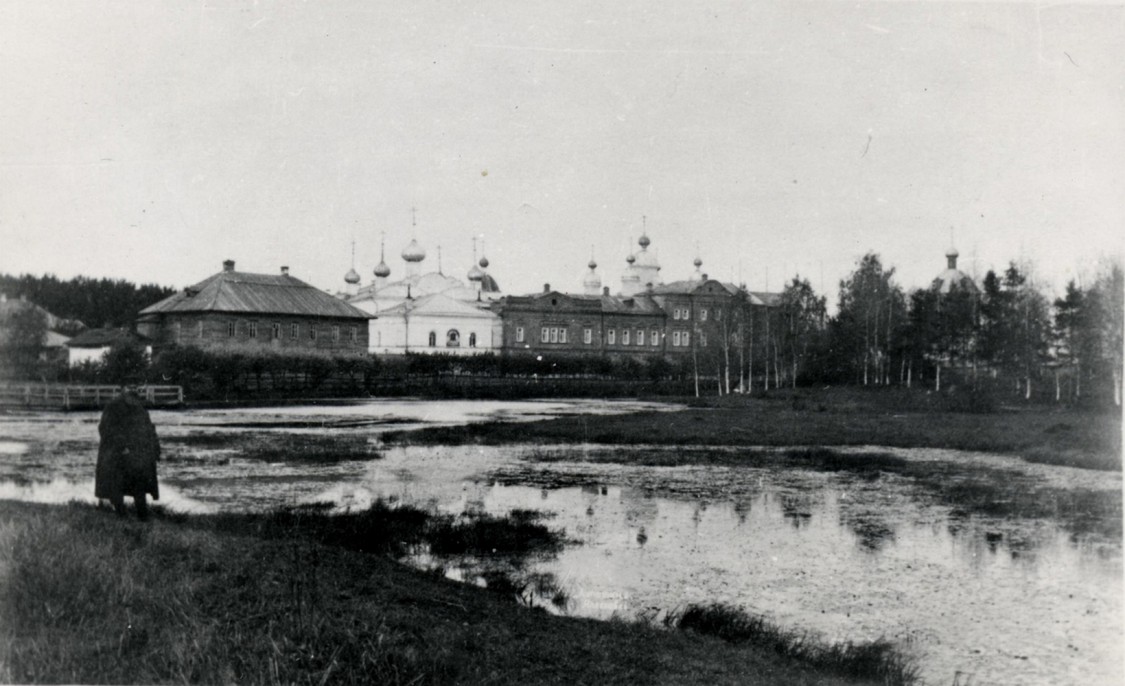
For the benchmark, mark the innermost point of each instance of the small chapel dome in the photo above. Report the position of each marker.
(413, 252)
(382, 270)
(475, 273)
(592, 265)
(483, 262)
(352, 276)
(698, 263)
(630, 259)
(644, 241)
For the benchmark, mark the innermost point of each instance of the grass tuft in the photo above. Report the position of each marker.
(876, 660)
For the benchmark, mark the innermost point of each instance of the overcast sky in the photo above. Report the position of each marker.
(150, 141)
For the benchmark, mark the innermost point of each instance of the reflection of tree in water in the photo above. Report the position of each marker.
(742, 510)
(871, 530)
(641, 508)
(796, 508)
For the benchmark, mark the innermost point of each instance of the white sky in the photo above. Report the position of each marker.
(150, 141)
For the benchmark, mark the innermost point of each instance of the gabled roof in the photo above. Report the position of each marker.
(243, 292)
(764, 298)
(438, 304)
(690, 286)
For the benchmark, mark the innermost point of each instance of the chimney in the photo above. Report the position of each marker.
(228, 265)
(605, 290)
(704, 277)
(546, 288)
(285, 271)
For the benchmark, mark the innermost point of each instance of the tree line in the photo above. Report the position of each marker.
(83, 301)
(1003, 336)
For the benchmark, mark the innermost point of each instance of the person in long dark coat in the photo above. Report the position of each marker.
(127, 454)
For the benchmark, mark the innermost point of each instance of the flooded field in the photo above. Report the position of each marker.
(977, 598)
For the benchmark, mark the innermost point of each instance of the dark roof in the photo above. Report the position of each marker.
(102, 338)
(691, 286)
(243, 292)
(489, 285)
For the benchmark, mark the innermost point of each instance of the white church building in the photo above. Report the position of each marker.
(427, 311)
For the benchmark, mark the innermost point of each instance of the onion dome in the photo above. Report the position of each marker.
(382, 270)
(698, 263)
(351, 277)
(475, 273)
(592, 265)
(413, 252)
(630, 259)
(643, 242)
(483, 262)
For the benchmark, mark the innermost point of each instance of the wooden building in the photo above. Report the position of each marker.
(241, 309)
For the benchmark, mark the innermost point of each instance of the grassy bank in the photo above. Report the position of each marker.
(293, 598)
(845, 416)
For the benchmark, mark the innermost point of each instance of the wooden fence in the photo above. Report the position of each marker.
(57, 396)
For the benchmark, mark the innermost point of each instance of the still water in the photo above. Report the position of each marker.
(994, 600)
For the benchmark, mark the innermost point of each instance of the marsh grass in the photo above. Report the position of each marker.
(877, 660)
(87, 597)
(838, 416)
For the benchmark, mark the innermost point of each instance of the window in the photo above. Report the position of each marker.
(294, 330)
(232, 328)
(687, 313)
(201, 328)
(176, 330)
(625, 337)
(335, 333)
(718, 314)
(562, 335)
(611, 336)
(703, 314)
(453, 338)
(702, 340)
(545, 335)
(587, 335)
(554, 334)
(472, 340)
(676, 338)
(433, 339)
(253, 329)
(312, 332)
(676, 313)
(353, 334)
(640, 336)
(685, 338)
(519, 334)
(275, 330)
(655, 338)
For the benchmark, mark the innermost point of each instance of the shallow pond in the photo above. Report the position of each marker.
(840, 554)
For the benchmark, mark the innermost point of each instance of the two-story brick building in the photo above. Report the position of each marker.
(241, 309)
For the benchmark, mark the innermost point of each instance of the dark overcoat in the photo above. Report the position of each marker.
(128, 451)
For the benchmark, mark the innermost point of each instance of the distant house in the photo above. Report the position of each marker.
(233, 309)
(94, 344)
(53, 343)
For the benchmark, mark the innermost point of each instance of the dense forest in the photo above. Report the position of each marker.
(91, 303)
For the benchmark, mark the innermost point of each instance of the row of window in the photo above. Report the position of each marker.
(249, 329)
(558, 334)
(684, 313)
(452, 339)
